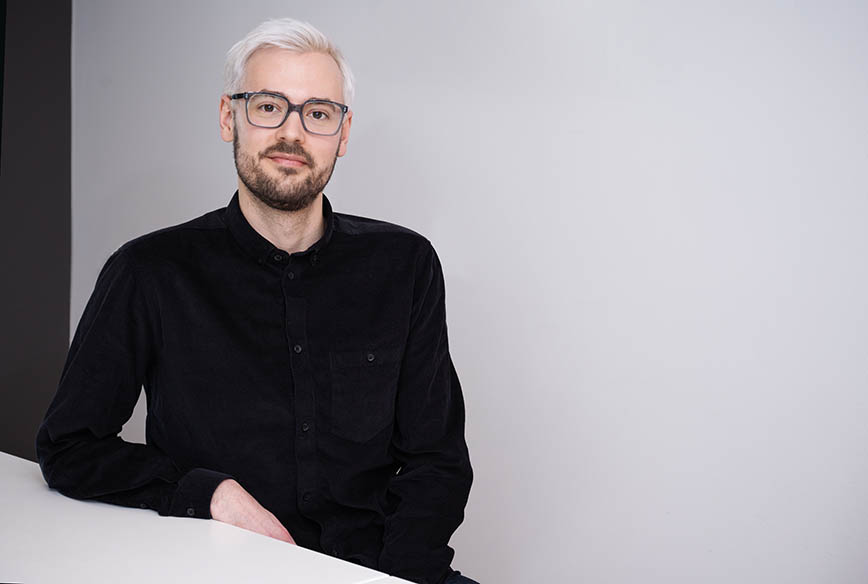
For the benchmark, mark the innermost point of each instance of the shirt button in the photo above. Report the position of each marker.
(191, 511)
(305, 427)
(277, 257)
(143, 505)
(290, 275)
(297, 348)
(306, 498)
(371, 357)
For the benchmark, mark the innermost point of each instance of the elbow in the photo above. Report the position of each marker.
(46, 455)
(50, 454)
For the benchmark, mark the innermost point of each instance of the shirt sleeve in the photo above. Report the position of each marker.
(77, 444)
(429, 492)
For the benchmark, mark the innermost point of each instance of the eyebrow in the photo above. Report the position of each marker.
(283, 95)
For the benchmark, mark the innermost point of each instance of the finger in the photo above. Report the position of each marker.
(284, 534)
(281, 534)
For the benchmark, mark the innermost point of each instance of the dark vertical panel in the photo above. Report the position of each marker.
(35, 217)
(2, 61)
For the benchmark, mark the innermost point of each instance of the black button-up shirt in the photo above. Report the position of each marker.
(321, 381)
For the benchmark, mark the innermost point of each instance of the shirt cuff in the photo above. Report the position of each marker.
(195, 489)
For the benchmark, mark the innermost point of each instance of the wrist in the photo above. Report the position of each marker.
(194, 493)
(220, 496)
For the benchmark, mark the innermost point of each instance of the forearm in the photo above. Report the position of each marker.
(431, 499)
(108, 469)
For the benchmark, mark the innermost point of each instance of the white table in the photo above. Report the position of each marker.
(47, 537)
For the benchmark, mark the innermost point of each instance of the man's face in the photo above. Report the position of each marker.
(286, 168)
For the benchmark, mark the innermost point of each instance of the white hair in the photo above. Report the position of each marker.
(284, 33)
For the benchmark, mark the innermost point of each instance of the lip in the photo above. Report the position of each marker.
(288, 160)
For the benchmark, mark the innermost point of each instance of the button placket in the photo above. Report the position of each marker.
(303, 387)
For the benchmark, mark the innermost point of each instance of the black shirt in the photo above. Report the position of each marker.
(320, 380)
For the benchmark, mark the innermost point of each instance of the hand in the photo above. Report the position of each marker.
(231, 504)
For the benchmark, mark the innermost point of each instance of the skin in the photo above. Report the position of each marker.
(290, 161)
(232, 504)
(299, 76)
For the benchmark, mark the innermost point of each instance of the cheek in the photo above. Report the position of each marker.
(249, 144)
(324, 153)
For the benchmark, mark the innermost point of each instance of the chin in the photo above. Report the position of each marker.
(288, 171)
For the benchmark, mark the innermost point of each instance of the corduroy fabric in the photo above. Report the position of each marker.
(321, 381)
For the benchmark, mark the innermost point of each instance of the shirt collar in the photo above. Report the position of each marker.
(260, 248)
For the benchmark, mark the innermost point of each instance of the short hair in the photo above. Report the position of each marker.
(284, 33)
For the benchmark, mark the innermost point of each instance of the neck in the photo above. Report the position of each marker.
(291, 231)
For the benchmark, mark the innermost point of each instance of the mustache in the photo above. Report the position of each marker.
(292, 148)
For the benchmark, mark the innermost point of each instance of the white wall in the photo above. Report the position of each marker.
(651, 217)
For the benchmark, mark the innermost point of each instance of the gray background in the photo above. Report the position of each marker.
(651, 216)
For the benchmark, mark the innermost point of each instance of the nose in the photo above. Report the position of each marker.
(292, 130)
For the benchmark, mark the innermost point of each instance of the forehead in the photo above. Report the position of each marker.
(299, 76)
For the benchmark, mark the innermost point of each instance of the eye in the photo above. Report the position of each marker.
(268, 107)
(319, 115)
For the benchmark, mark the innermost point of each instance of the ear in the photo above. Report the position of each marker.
(226, 120)
(345, 133)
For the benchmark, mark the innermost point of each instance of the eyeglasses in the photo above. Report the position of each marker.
(270, 110)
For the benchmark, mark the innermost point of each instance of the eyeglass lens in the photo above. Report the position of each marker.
(317, 117)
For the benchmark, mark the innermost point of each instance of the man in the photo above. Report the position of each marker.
(295, 360)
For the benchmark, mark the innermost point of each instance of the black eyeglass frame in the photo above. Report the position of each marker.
(292, 108)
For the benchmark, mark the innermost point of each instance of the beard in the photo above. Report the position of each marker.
(277, 194)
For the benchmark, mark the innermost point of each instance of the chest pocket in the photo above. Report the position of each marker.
(364, 383)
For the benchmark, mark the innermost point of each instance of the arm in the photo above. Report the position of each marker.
(429, 493)
(79, 450)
